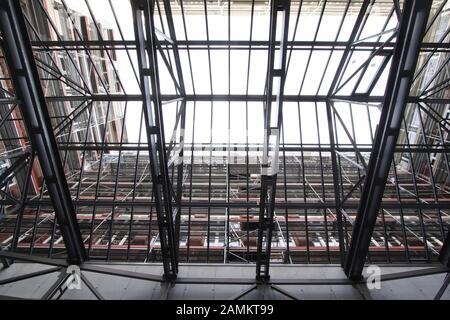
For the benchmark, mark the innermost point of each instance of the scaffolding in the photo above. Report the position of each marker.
(323, 139)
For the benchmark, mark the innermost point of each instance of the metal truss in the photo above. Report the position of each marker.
(411, 30)
(273, 115)
(317, 191)
(57, 290)
(19, 56)
(149, 79)
(444, 256)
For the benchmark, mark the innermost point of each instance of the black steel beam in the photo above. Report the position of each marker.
(237, 97)
(443, 287)
(107, 269)
(180, 151)
(180, 173)
(409, 38)
(348, 47)
(12, 170)
(337, 200)
(28, 276)
(312, 148)
(222, 44)
(24, 75)
(34, 259)
(273, 118)
(172, 34)
(144, 30)
(242, 205)
(444, 254)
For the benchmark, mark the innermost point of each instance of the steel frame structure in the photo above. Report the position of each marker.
(148, 71)
(273, 118)
(61, 266)
(26, 81)
(345, 194)
(411, 30)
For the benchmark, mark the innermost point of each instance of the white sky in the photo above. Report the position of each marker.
(240, 30)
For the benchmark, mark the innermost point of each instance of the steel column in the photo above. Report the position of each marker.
(25, 77)
(273, 119)
(444, 255)
(180, 164)
(149, 77)
(406, 52)
(337, 200)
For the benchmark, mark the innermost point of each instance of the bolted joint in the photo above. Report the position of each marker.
(267, 223)
(75, 262)
(262, 278)
(171, 277)
(139, 4)
(356, 278)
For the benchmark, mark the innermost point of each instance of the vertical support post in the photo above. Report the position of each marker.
(180, 173)
(444, 255)
(335, 167)
(180, 163)
(25, 78)
(176, 54)
(444, 286)
(146, 48)
(406, 52)
(276, 72)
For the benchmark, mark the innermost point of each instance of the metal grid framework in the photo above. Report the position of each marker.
(193, 136)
